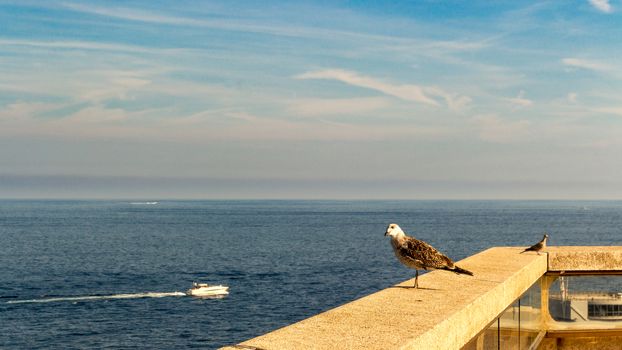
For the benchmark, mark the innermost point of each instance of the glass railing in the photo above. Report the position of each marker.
(578, 306)
(516, 328)
(586, 301)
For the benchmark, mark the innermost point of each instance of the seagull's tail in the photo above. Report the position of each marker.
(458, 270)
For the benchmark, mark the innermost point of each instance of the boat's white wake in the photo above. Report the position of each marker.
(100, 297)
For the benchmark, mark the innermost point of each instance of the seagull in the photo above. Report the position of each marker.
(418, 254)
(538, 246)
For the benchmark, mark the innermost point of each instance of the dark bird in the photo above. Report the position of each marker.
(418, 254)
(538, 246)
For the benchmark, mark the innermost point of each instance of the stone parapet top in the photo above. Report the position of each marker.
(444, 313)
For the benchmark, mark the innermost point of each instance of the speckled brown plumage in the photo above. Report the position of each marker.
(419, 255)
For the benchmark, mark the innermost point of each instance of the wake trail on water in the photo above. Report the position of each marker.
(100, 297)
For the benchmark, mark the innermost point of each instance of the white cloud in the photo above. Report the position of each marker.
(520, 100)
(336, 106)
(132, 15)
(610, 110)
(460, 45)
(454, 102)
(77, 45)
(407, 92)
(586, 64)
(572, 97)
(23, 111)
(21, 118)
(601, 5)
(229, 24)
(97, 115)
(243, 126)
(494, 129)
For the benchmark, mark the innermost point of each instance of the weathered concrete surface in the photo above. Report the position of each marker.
(582, 343)
(586, 258)
(444, 313)
(548, 344)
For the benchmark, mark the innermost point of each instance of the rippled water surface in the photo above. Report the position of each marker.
(97, 274)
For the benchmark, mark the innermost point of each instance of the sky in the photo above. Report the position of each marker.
(311, 99)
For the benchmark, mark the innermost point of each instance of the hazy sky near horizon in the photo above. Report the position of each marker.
(311, 99)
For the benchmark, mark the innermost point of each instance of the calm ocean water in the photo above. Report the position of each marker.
(283, 260)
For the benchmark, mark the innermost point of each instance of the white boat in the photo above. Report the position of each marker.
(206, 290)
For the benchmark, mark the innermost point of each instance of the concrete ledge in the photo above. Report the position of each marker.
(446, 311)
(592, 258)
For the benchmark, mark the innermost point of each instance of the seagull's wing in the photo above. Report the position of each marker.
(426, 255)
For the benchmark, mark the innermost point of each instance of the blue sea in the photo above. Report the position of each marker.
(109, 274)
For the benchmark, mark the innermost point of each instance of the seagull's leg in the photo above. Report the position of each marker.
(416, 278)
